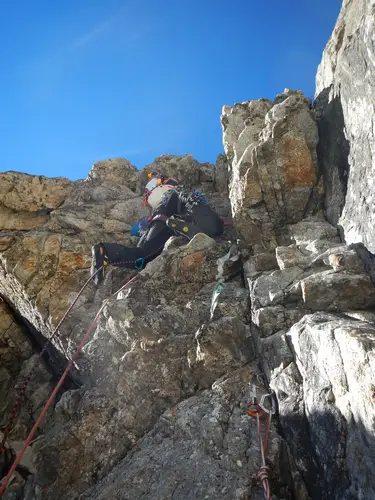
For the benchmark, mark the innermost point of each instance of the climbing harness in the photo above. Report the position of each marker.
(29, 439)
(22, 389)
(258, 410)
(145, 222)
(161, 217)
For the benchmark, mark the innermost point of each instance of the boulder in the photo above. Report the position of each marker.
(185, 169)
(272, 152)
(332, 385)
(115, 171)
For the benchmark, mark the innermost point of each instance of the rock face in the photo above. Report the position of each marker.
(317, 343)
(271, 149)
(148, 355)
(345, 94)
(44, 260)
(55, 221)
(209, 440)
(159, 409)
(18, 362)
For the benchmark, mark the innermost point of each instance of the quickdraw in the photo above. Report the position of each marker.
(231, 256)
(259, 410)
(22, 389)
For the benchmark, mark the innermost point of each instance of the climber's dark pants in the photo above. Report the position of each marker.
(135, 258)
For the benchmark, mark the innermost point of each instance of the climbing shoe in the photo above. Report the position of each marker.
(99, 261)
(183, 228)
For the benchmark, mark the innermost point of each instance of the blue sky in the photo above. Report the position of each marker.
(86, 80)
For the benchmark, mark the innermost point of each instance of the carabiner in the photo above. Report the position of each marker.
(141, 264)
(273, 403)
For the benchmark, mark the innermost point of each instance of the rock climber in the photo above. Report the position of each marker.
(174, 210)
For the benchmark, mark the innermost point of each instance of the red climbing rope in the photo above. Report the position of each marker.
(264, 469)
(55, 391)
(21, 391)
(49, 402)
(258, 410)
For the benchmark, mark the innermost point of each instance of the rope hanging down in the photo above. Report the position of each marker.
(22, 389)
(29, 439)
(258, 410)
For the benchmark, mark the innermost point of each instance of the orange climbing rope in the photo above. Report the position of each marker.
(29, 439)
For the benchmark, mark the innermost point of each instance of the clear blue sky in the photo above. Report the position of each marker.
(85, 80)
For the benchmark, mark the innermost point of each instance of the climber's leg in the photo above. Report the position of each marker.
(131, 258)
(155, 239)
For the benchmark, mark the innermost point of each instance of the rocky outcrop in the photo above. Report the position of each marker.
(345, 94)
(186, 169)
(271, 149)
(26, 200)
(316, 341)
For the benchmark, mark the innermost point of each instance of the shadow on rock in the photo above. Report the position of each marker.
(333, 153)
(334, 457)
